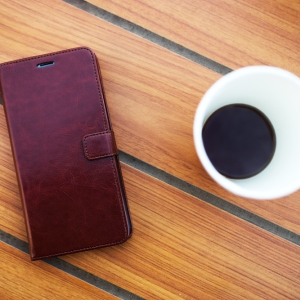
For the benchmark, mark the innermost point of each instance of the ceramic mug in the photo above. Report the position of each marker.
(275, 92)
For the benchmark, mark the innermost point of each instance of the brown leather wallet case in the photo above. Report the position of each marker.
(65, 153)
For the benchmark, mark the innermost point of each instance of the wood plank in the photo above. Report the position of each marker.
(152, 93)
(22, 279)
(182, 248)
(235, 33)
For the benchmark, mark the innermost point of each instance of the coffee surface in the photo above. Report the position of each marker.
(239, 140)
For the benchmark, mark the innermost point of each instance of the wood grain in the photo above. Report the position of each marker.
(152, 93)
(22, 279)
(235, 33)
(181, 248)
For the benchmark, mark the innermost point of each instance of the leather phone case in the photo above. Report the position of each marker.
(65, 153)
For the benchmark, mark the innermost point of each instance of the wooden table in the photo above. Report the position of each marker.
(192, 239)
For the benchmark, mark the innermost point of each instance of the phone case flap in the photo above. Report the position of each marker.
(99, 145)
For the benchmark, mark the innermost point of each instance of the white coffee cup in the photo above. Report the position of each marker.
(276, 92)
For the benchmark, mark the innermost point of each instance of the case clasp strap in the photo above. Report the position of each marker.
(99, 144)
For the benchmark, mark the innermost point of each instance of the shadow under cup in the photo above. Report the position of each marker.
(276, 93)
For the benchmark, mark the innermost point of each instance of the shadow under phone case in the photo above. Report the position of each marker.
(65, 153)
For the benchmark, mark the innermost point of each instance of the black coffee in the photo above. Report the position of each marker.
(239, 140)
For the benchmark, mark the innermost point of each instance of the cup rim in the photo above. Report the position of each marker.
(199, 120)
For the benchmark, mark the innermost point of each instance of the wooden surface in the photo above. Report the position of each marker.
(182, 247)
(235, 33)
(152, 93)
(22, 279)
